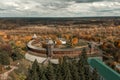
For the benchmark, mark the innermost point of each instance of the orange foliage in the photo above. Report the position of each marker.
(44, 37)
(67, 36)
(5, 36)
(118, 45)
(19, 44)
(104, 45)
(53, 37)
(2, 33)
(58, 42)
(74, 41)
(27, 38)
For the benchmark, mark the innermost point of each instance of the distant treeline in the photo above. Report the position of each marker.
(10, 23)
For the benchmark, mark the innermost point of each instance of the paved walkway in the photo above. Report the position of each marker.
(39, 59)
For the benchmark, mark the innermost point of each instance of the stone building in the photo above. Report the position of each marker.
(49, 48)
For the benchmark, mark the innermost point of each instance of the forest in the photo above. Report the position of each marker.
(10, 23)
(68, 69)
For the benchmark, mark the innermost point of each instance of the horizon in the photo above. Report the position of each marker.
(68, 17)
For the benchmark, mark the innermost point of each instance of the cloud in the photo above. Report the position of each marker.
(1, 9)
(87, 1)
(102, 8)
(59, 8)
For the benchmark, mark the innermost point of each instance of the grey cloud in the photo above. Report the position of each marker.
(109, 10)
(61, 8)
(1, 9)
(56, 6)
(87, 1)
(90, 1)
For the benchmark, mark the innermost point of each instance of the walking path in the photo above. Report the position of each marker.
(39, 59)
(4, 76)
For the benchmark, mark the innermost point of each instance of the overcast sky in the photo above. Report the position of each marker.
(59, 8)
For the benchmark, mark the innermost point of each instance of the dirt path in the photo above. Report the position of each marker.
(4, 76)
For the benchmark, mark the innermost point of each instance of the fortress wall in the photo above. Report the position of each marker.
(59, 53)
(37, 51)
(56, 51)
(66, 53)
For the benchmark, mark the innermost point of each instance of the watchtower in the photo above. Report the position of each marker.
(49, 48)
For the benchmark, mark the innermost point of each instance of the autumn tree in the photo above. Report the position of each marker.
(67, 36)
(58, 42)
(117, 43)
(74, 41)
(7, 48)
(16, 54)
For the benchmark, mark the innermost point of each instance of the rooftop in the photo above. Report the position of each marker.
(105, 71)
